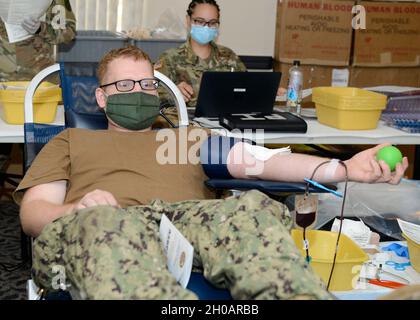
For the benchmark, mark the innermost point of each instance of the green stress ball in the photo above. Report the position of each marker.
(391, 155)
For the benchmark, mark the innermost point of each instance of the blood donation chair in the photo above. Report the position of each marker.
(78, 82)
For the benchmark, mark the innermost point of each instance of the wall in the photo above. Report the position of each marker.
(247, 27)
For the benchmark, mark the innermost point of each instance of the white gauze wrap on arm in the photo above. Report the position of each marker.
(262, 153)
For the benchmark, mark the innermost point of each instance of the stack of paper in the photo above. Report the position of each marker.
(14, 12)
(411, 230)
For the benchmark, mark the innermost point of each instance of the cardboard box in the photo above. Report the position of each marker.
(391, 37)
(370, 77)
(316, 76)
(317, 32)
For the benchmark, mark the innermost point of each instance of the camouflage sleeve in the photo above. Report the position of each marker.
(240, 65)
(60, 23)
(164, 65)
(232, 58)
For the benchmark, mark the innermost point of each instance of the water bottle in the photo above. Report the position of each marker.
(294, 88)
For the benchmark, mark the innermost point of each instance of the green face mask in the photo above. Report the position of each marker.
(133, 111)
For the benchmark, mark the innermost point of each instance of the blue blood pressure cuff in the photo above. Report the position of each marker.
(214, 153)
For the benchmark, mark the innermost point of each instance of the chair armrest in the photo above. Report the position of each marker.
(179, 99)
(30, 91)
(263, 186)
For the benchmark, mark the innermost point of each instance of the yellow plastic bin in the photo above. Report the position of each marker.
(414, 252)
(45, 101)
(348, 108)
(350, 257)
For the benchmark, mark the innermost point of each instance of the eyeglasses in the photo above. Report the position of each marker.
(201, 22)
(128, 85)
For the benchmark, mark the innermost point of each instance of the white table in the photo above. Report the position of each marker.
(321, 134)
(13, 133)
(317, 134)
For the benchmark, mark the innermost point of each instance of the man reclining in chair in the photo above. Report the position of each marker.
(88, 198)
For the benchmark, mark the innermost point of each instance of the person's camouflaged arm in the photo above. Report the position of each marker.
(240, 65)
(51, 30)
(164, 65)
(7, 55)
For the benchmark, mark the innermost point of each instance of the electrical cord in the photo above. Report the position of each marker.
(161, 113)
(341, 216)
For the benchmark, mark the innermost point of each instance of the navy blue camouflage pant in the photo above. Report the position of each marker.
(240, 243)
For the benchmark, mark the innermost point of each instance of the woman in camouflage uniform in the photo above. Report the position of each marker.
(186, 64)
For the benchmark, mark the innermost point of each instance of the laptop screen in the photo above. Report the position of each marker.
(236, 92)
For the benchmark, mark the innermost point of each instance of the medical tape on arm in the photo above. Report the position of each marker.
(331, 169)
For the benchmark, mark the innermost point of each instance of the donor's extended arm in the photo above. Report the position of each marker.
(224, 157)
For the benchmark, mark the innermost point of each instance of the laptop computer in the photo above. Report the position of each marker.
(236, 92)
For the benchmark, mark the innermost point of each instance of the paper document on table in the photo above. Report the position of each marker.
(411, 230)
(15, 11)
(179, 252)
(355, 230)
(16, 33)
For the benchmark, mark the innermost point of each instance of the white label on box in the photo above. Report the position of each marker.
(340, 77)
(179, 252)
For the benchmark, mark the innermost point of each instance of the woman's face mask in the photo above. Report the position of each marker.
(134, 110)
(203, 35)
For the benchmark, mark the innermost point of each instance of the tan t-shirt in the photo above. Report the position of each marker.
(122, 163)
